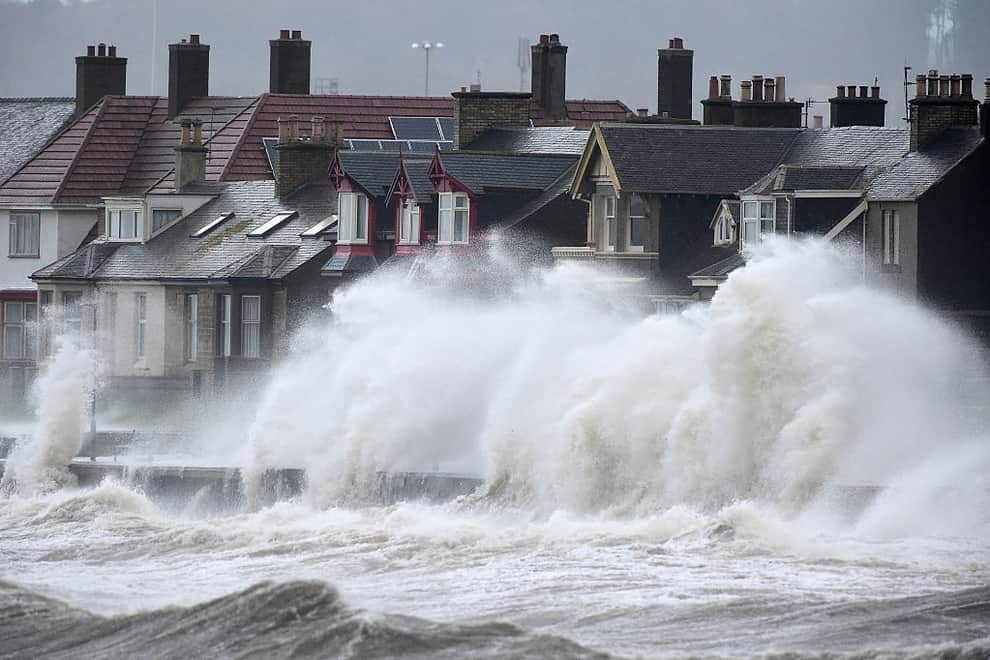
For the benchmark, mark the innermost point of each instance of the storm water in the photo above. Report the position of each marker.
(800, 466)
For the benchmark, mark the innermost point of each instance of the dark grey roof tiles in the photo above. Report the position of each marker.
(418, 173)
(487, 172)
(349, 264)
(538, 140)
(788, 178)
(556, 189)
(911, 176)
(372, 170)
(721, 269)
(81, 264)
(705, 160)
(226, 251)
(26, 125)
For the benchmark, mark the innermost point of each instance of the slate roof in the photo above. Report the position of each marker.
(911, 176)
(788, 178)
(418, 173)
(873, 148)
(721, 269)
(538, 140)
(224, 253)
(373, 170)
(705, 160)
(125, 144)
(558, 188)
(490, 172)
(26, 125)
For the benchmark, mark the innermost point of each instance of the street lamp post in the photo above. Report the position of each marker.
(427, 46)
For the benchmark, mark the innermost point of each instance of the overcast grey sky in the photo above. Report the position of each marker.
(366, 45)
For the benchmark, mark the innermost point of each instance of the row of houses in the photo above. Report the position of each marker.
(192, 233)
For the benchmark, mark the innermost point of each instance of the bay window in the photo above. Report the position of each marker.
(409, 222)
(759, 220)
(610, 227)
(72, 312)
(124, 224)
(352, 211)
(25, 235)
(19, 324)
(454, 218)
(251, 326)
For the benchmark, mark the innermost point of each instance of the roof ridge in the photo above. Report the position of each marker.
(37, 99)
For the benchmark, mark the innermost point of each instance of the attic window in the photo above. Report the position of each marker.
(271, 225)
(320, 226)
(724, 230)
(211, 225)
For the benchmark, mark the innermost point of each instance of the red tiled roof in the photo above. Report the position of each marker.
(126, 144)
(39, 179)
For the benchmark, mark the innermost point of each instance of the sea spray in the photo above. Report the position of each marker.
(62, 395)
(795, 378)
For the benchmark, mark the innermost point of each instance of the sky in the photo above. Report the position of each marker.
(612, 46)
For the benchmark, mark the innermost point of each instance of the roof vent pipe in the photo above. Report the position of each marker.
(781, 94)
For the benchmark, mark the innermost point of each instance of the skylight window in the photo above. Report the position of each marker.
(320, 226)
(211, 225)
(271, 225)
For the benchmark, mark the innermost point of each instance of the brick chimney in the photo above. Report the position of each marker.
(299, 159)
(549, 76)
(289, 63)
(190, 155)
(188, 73)
(936, 108)
(850, 109)
(476, 112)
(763, 105)
(674, 72)
(99, 73)
(718, 106)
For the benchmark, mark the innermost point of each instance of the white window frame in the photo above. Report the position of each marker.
(169, 223)
(25, 235)
(45, 298)
(891, 237)
(116, 222)
(352, 222)
(609, 221)
(191, 326)
(724, 230)
(409, 216)
(756, 221)
(26, 327)
(226, 303)
(72, 322)
(140, 326)
(454, 213)
(630, 246)
(253, 325)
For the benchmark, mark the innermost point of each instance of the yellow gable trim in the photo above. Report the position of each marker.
(596, 143)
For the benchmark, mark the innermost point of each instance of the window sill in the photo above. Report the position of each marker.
(24, 256)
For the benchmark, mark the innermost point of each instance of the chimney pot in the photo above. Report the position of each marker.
(678, 42)
(851, 91)
(919, 84)
(297, 35)
(642, 112)
(781, 81)
(726, 84)
(757, 89)
(986, 90)
(713, 87)
(317, 130)
(955, 85)
(943, 85)
(101, 50)
(111, 51)
(875, 91)
(769, 90)
(840, 91)
(283, 34)
(967, 85)
(819, 121)
(194, 39)
(91, 51)
(932, 83)
(186, 135)
(745, 89)
(475, 87)
(197, 125)
(863, 91)
(555, 38)
(545, 39)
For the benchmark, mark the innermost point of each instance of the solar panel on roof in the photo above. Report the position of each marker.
(415, 128)
(395, 145)
(446, 127)
(365, 145)
(424, 147)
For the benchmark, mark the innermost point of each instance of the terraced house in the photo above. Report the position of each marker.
(143, 176)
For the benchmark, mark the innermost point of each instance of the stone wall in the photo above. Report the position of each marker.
(476, 112)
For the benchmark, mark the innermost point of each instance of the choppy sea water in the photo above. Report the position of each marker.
(104, 573)
(655, 486)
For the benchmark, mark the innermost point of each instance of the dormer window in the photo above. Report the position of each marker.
(124, 224)
(455, 218)
(409, 222)
(759, 220)
(725, 230)
(353, 218)
(161, 218)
